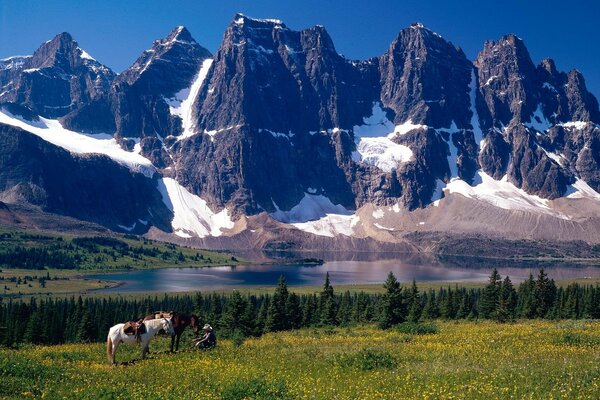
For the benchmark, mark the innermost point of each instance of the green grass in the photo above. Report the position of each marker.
(463, 360)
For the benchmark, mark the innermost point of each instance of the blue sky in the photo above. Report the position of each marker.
(116, 31)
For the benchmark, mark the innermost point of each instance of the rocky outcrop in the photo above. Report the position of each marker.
(58, 78)
(425, 79)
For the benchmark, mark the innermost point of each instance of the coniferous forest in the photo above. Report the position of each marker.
(54, 321)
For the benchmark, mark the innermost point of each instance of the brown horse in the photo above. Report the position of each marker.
(179, 321)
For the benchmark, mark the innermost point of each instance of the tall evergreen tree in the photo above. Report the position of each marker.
(413, 302)
(430, 309)
(393, 308)
(235, 319)
(526, 304)
(294, 311)
(277, 315)
(490, 295)
(545, 294)
(328, 304)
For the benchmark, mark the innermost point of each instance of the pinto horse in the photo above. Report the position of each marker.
(116, 336)
(179, 321)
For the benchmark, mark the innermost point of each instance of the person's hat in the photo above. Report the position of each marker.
(207, 327)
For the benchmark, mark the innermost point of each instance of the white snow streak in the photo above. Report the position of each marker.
(79, 143)
(502, 194)
(191, 214)
(181, 105)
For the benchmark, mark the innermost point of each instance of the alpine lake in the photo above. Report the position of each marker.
(351, 270)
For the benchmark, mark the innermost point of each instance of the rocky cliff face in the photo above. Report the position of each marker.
(58, 78)
(89, 187)
(277, 119)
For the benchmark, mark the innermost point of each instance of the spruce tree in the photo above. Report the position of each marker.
(505, 309)
(490, 296)
(526, 304)
(277, 315)
(413, 301)
(234, 320)
(294, 311)
(328, 304)
(393, 308)
(430, 309)
(544, 293)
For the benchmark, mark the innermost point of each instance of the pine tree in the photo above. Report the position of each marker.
(490, 296)
(86, 330)
(344, 310)
(393, 307)
(526, 304)
(545, 294)
(505, 309)
(309, 311)
(430, 309)
(294, 311)
(413, 301)
(447, 304)
(277, 315)
(464, 305)
(234, 320)
(261, 318)
(328, 304)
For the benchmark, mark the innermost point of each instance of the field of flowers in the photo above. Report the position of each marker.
(463, 360)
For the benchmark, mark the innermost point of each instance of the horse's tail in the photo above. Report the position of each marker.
(109, 349)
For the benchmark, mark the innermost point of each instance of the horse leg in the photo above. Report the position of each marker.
(144, 345)
(115, 346)
(177, 345)
(172, 342)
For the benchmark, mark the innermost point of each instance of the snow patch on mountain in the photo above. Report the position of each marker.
(382, 153)
(330, 225)
(191, 214)
(52, 131)
(374, 143)
(502, 194)
(538, 121)
(181, 104)
(580, 190)
(318, 215)
(477, 133)
(312, 207)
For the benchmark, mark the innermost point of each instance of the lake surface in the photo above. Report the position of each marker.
(340, 272)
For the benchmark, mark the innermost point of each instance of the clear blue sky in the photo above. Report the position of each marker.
(115, 32)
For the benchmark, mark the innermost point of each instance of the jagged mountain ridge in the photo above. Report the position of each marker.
(277, 119)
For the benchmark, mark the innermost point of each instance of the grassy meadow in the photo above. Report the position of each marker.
(448, 360)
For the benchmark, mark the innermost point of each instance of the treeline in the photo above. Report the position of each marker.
(53, 321)
(39, 252)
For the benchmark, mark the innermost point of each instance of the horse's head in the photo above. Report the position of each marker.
(195, 324)
(167, 326)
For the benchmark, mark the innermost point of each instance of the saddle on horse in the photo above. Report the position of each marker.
(159, 315)
(136, 328)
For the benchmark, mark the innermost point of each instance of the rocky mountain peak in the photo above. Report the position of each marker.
(58, 78)
(169, 65)
(549, 66)
(242, 21)
(181, 34)
(62, 52)
(507, 78)
(425, 79)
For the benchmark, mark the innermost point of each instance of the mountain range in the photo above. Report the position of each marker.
(277, 141)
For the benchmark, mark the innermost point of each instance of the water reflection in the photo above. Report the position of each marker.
(421, 269)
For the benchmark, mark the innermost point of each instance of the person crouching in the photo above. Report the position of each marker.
(208, 340)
